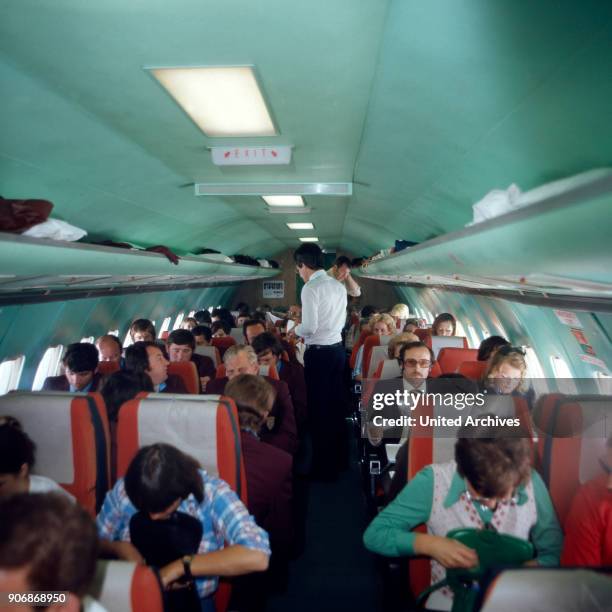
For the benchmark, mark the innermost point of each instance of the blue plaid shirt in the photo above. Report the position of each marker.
(224, 519)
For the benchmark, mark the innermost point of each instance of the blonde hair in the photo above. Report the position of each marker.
(401, 311)
(382, 318)
(513, 357)
(400, 339)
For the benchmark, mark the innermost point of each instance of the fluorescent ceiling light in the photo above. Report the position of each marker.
(222, 101)
(284, 200)
(300, 226)
(309, 239)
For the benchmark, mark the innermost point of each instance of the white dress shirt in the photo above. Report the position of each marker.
(350, 284)
(323, 310)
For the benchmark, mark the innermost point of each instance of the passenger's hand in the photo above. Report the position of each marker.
(449, 553)
(170, 573)
(128, 552)
(203, 381)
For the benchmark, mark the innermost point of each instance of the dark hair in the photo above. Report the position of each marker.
(112, 338)
(367, 311)
(242, 308)
(267, 342)
(160, 474)
(411, 345)
(122, 386)
(259, 317)
(16, 447)
(137, 356)
(453, 383)
(223, 314)
(488, 345)
(309, 255)
(182, 337)
(52, 538)
(202, 317)
(411, 322)
(357, 262)
(343, 260)
(81, 357)
(142, 325)
(442, 318)
(493, 458)
(221, 324)
(252, 323)
(202, 330)
(254, 397)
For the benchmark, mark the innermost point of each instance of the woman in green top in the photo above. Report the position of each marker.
(490, 483)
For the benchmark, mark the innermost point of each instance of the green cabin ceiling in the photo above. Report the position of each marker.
(426, 106)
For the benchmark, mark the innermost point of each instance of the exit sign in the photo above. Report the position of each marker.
(251, 156)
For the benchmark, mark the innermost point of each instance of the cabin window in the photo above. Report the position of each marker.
(563, 373)
(473, 336)
(113, 332)
(165, 326)
(87, 340)
(604, 383)
(191, 313)
(210, 309)
(127, 341)
(459, 330)
(179, 320)
(10, 373)
(50, 365)
(535, 372)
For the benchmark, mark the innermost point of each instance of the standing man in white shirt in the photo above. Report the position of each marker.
(323, 316)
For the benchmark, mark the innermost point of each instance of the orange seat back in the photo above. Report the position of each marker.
(223, 344)
(422, 334)
(72, 438)
(362, 336)
(126, 586)
(451, 358)
(472, 369)
(188, 373)
(106, 368)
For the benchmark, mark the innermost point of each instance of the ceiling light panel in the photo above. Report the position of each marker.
(300, 226)
(284, 200)
(309, 239)
(222, 101)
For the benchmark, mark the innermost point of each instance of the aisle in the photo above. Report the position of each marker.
(335, 572)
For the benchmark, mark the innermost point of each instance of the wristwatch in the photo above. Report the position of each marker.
(187, 559)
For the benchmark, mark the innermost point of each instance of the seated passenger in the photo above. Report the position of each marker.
(80, 362)
(17, 457)
(119, 388)
(48, 544)
(380, 325)
(161, 484)
(242, 318)
(268, 469)
(222, 314)
(395, 344)
(411, 325)
(506, 372)
(109, 348)
(251, 329)
(444, 325)
(202, 335)
(490, 484)
(400, 313)
(220, 329)
(489, 346)
(588, 526)
(203, 318)
(280, 430)
(269, 350)
(181, 346)
(142, 330)
(189, 323)
(147, 358)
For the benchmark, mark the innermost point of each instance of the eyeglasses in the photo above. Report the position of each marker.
(509, 350)
(413, 363)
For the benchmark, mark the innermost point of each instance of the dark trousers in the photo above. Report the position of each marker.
(324, 373)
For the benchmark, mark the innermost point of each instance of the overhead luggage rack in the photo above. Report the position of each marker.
(39, 270)
(555, 250)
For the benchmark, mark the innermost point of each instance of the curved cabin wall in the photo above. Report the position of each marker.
(30, 329)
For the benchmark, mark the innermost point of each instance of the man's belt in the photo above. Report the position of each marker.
(323, 346)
